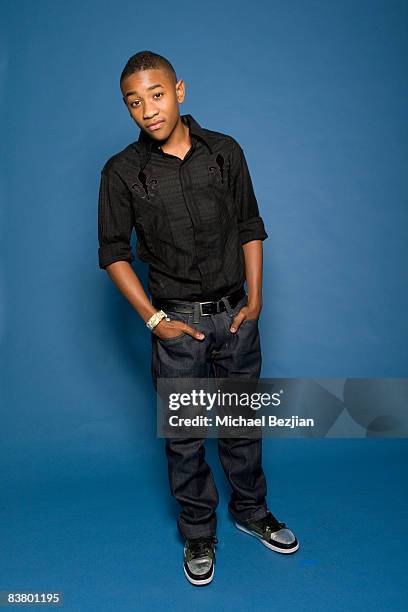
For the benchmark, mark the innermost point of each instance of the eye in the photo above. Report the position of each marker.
(136, 103)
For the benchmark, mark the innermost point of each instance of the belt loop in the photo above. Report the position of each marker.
(196, 317)
(227, 306)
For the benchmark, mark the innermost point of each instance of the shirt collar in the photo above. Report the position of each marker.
(149, 143)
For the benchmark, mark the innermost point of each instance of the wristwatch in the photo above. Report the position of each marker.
(156, 318)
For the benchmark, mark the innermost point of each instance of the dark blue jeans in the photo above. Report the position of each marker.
(222, 354)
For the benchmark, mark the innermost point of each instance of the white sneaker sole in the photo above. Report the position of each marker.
(199, 582)
(271, 546)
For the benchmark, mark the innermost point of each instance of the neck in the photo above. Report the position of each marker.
(179, 141)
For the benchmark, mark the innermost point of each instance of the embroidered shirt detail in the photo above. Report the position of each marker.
(219, 169)
(146, 186)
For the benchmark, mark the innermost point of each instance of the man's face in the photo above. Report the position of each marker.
(152, 96)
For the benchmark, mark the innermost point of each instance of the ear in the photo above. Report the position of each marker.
(180, 90)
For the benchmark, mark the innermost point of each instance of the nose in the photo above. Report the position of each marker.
(149, 114)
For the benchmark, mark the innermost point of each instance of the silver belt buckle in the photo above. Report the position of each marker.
(205, 314)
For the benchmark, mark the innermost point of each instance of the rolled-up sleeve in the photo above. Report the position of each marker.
(115, 219)
(250, 223)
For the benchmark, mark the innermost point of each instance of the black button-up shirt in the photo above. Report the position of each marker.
(191, 216)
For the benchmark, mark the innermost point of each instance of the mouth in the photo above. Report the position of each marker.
(156, 125)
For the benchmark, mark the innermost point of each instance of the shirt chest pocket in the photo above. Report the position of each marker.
(219, 182)
(150, 213)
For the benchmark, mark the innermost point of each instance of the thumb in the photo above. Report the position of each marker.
(235, 324)
(195, 333)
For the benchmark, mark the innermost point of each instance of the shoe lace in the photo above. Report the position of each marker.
(202, 547)
(270, 523)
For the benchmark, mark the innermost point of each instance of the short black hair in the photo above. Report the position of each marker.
(143, 60)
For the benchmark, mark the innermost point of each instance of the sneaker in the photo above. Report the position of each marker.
(272, 533)
(199, 560)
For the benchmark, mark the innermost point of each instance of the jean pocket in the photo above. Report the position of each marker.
(177, 316)
(249, 321)
(242, 302)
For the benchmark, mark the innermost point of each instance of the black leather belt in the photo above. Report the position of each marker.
(206, 308)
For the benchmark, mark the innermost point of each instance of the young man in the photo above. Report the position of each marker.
(187, 192)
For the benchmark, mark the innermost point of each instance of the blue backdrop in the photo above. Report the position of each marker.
(316, 94)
